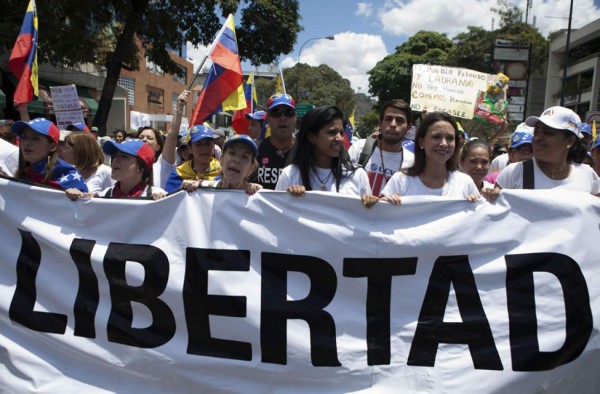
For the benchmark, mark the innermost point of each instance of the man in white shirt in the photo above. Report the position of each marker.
(386, 156)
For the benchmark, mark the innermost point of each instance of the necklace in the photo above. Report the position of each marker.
(433, 186)
(383, 164)
(323, 182)
(555, 174)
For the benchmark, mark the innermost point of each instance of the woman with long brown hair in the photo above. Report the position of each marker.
(82, 151)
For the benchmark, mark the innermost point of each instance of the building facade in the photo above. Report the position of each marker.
(582, 86)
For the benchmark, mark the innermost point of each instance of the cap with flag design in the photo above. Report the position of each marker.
(39, 125)
(260, 116)
(79, 126)
(559, 118)
(585, 129)
(519, 138)
(200, 132)
(134, 147)
(281, 99)
(244, 139)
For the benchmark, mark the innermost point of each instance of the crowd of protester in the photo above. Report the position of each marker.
(552, 151)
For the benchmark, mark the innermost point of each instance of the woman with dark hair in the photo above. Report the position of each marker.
(556, 152)
(434, 171)
(475, 162)
(319, 160)
(153, 138)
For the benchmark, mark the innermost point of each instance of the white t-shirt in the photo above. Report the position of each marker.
(459, 185)
(582, 177)
(100, 179)
(9, 157)
(356, 184)
(499, 163)
(392, 162)
(161, 171)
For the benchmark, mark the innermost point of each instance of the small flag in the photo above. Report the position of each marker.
(240, 122)
(23, 59)
(280, 84)
(223, 89)
(348, 130)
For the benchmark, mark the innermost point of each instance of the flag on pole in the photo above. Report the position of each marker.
(240, 122)
(23, 59)
(279, 89)
(280, 84)
(223, 89)
(348, 130)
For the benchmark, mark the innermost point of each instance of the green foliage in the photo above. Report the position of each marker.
(391, 77)
(509, 14)
(473, 50)
(320, 85)
(365, 124)
(102, 32)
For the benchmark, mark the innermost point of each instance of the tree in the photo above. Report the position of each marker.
(391, 77)
(108, 32)
(320, 85)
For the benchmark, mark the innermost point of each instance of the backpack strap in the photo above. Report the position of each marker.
(528, 181)
(367, 152)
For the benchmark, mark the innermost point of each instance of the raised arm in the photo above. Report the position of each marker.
(169, 152)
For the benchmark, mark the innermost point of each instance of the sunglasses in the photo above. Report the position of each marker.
(288, 113)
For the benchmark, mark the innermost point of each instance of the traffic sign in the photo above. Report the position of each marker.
(302, 109)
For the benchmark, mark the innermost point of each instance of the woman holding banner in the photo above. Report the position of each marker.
(434, 171)
(556, 148)
(319, 160)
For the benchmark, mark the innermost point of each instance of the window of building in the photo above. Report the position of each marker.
(182, 79)
(154, 68)
(155, 99)
(128, 84)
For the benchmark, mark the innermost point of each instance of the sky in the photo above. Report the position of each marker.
(366, 31)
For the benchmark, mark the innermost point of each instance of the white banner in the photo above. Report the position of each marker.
(448, 89)
(217, 291)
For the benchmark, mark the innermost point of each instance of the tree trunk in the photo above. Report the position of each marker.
(138, 7)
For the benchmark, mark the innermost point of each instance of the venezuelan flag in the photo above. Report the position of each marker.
(223, 89)
(348, 130)
(23, 59)
(239, 122)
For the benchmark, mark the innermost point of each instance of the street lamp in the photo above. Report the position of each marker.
(298, 62)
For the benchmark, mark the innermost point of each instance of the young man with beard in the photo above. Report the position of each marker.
(386, 155)
(273, 152)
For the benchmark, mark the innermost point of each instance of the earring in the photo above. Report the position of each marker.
(421, 148)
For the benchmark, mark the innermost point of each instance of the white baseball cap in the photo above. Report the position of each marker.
(560, 118)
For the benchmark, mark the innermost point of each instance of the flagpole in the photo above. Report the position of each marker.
(197, 73)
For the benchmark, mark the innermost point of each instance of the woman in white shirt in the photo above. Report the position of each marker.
(434, 171)
(319, 160)
(556, 147)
